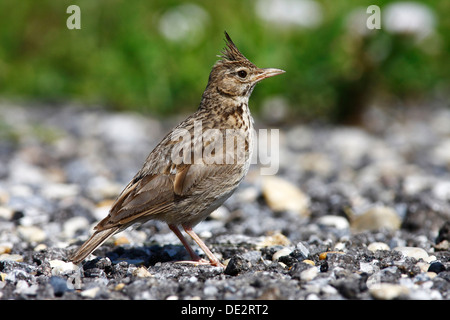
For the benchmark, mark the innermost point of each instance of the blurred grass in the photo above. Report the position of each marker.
(120, 59)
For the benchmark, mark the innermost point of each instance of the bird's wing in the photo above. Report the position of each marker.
(157, 189)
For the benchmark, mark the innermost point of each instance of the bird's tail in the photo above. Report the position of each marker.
(92, 243)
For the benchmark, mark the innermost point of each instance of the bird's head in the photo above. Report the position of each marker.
(236, 76)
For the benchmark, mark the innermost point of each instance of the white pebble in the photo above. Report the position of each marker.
(59, 191)
(142, 272)
(90, 293)
(59, 267)
(31, 233)
(281, 253)
(309, 274)
(336, 222)
(375, 246)
(210, 290)
(72, 225)
(22, 287)
(282, 195)
(11, 257)
(366, 267)
(388, 291)
(413, 252)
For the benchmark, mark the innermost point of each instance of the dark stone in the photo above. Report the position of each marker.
(436, 267)
(236, 265)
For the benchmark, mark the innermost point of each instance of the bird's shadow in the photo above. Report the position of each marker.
(147, 255)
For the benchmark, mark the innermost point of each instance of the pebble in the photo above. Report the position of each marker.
(22, 287)
(281, 253)
(90, 293)
(60, 267)
(302, 249)
(142, 272)
(5, 248)
(413, 252)
(377, 218)
(323, 255)
(11, 257)
(40, 247)
(119, 286)
(388, 291)
(58, 191)
(336, 222)
(31, 233)
(309, 274)
(375, 246)
(72, 225)
(282, 195)
(436, 267)
(6, 213)
(309, 262)
(273, 240)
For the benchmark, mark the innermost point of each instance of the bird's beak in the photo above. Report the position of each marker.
(268, 72)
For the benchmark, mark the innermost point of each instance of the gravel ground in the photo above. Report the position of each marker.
(352, 213)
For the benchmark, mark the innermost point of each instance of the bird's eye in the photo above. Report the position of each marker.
(242, 73)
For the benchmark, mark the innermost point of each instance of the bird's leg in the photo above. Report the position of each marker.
(194, 256)
(212, 258)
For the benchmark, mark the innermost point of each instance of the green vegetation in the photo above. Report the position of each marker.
(123, 57)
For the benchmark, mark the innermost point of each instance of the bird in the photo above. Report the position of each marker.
(197, 165)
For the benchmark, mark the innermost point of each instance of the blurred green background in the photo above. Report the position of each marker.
(154, 56)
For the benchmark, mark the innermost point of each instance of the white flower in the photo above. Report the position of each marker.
(184, 23)
(299, 13)
(409, 18)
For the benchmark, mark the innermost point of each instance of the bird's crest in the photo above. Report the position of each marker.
(231, 53)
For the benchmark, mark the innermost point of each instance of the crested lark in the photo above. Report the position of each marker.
(194, 169)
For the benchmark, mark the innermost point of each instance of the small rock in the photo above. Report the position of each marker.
(22, 287)
(281, 253)
(210, 290)
(444, 245)
(303, 271)
(119, 286)
(375, 246)
(413, 252)
(60, 267)
(236, 265)
(336, 222)
(5, 248)
(301, 251)
(282, 195)
(142, 272)
(436, 267)
(309, 262)
(11, 257)
(90, 293)
(388, 291)
(309, 274)
(273, 240)
(6, 213)
(40, 247)
(72, 225)
(377, 218)
(32, 233)
(57, 191)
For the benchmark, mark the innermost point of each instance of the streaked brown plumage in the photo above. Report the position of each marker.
(183, 180)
